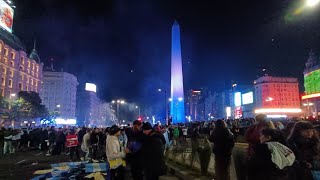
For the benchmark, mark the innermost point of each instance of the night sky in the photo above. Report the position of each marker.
(124, 45)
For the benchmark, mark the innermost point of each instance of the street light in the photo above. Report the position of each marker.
(118, 107)
(312, 3)
(137, 107)
(165, 105)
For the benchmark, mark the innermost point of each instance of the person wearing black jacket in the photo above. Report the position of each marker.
(135, 136)
(152, 151)
(44, 136)
(223, 142)
(94, 141)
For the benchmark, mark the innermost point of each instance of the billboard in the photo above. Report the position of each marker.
(237, 99)
(6, 16)
(247, 98)
(312, 82)
(91, 87)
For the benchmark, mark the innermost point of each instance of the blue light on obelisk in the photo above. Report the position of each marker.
(177, 95)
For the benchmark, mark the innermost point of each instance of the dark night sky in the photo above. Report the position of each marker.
(221, 40)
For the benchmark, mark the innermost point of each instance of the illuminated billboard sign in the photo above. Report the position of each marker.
(91, 87)
(228, 111)
(247, 98)
(312, 82)
(237, 99)
(6, 13)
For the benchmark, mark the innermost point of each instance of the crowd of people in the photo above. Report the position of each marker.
(276, 151)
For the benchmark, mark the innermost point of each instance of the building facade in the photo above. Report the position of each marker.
(18, 71)
(311, 97)
(58, 93)
(277, 96)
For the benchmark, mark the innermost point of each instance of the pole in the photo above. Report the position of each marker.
(165, 106)
(118, 114)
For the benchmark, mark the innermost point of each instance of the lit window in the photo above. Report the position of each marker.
(27, 79)
(37, 69)
(37, 75)
(3, 81)
(22, 60)
(11, 73)
(32, 73)
(36, 83)
(4, 70)
(10, 83)
(2, 92)
(20, 87)
(29, 64)
(31, 81)
(6, 51)
(5, 60)
(32, 66)
(21, 76)
(13, 55)
(28, 71)
(12, 63)
(0, 47)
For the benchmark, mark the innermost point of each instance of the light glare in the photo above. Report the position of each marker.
(312, 3)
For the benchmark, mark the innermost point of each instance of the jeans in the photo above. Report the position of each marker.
(117, 174)
(7, 146)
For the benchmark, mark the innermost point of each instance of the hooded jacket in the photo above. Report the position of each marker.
(114, 152)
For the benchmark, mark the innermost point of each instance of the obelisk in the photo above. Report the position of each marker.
(177, 93)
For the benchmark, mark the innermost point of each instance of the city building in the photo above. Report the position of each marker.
(277, 96)
(177, 110)
(59, 93)
(241, 101)
(18, 70)
(88, 105)
(311, 97)
(196, 104)
(222, 105)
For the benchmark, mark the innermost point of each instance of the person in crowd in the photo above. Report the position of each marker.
(115, 154)
(81, 133)
(44, 137)
(16, 140)
(134, 158)
(304, 142)
(194, 142)
(72, 143)
(253, 133)
(60, 141)
(85, 146)
(51, 138)
(94, 141)
(123, 138)
(274, 155)
(288, 128)
(223, 142)
(152, 152)
(7, 147)
(184, 133)
(176, 135)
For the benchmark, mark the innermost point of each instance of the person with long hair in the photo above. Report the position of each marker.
(273, 154)
(223, 142)
(304, 142)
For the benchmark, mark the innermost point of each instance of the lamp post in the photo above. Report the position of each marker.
(118, 102)
(137, 107)
(165, 105)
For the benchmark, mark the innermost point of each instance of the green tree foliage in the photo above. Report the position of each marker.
(28, 106)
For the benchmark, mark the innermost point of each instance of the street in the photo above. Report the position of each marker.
(22, 164)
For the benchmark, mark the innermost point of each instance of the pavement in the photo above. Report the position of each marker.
(23, 164)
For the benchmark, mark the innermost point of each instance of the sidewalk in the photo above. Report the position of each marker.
(184, 173)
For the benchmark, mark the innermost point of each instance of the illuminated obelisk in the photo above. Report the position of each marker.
(177, 94)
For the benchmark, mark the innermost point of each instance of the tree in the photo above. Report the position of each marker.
(28, 106)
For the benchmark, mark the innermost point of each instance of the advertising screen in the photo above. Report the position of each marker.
(247, 98)
(91, 87)
(6, 13)
(312, 82)
(237, 99)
